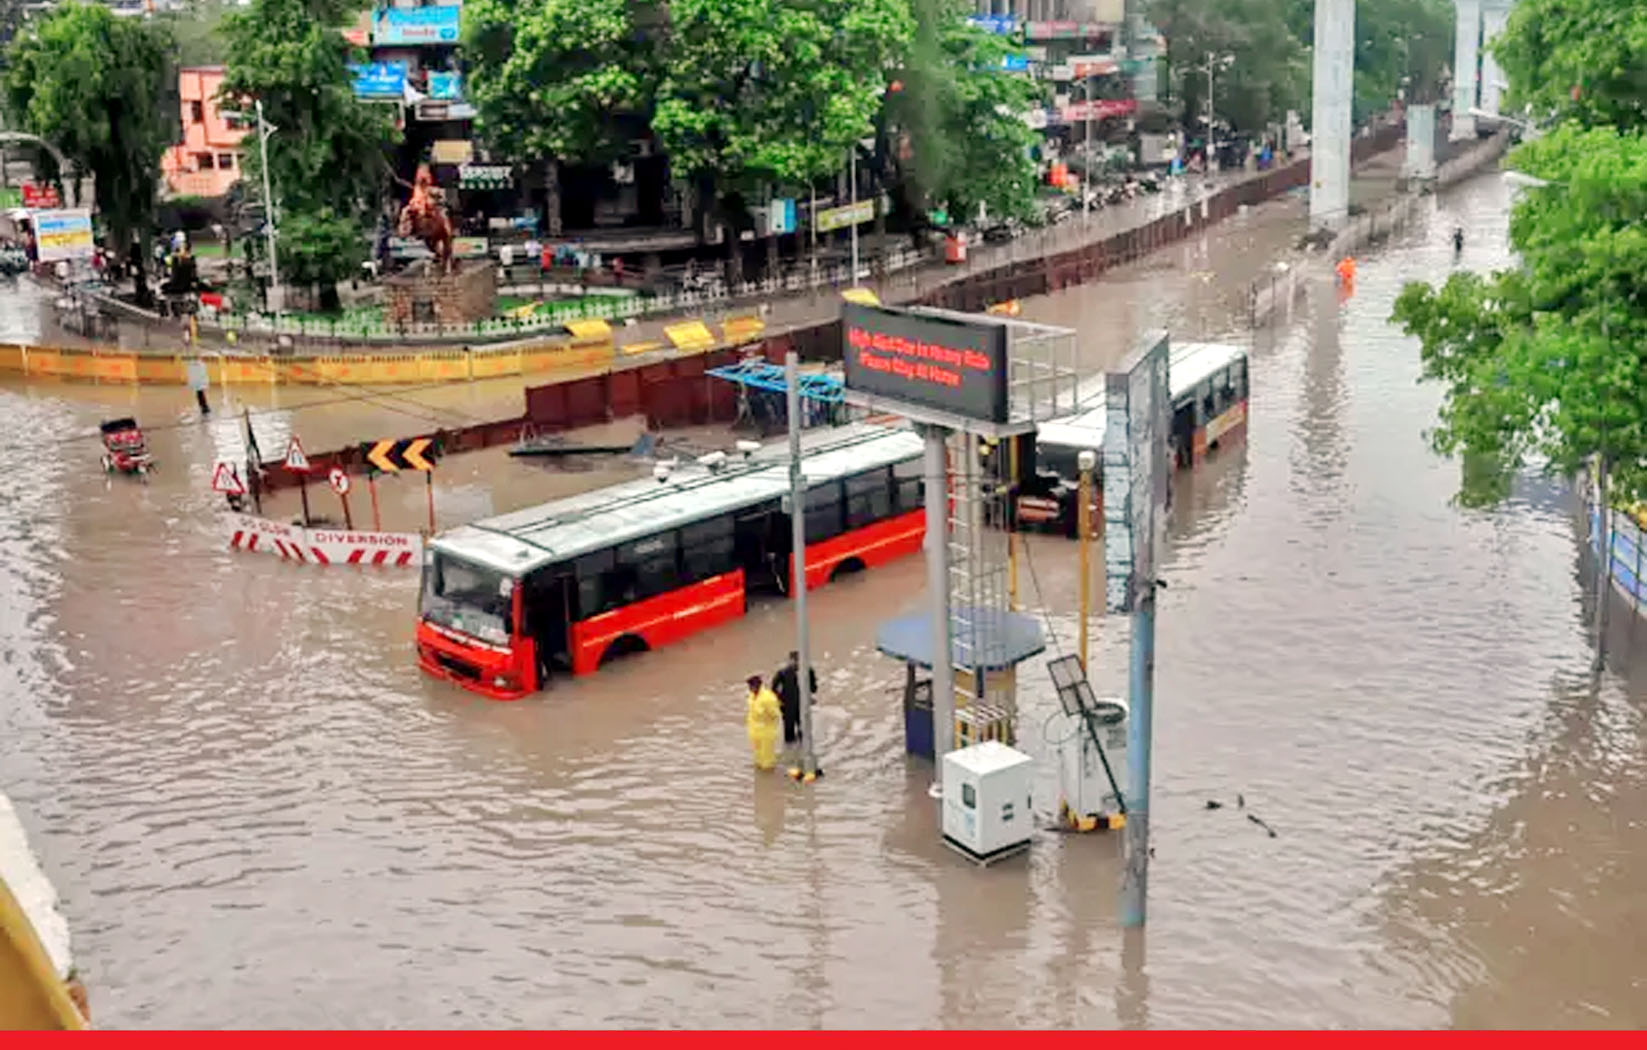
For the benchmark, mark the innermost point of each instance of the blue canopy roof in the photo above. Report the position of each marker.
(1004, 638)
(763, 375)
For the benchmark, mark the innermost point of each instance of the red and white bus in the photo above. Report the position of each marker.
(1208, 384)
(569, 585)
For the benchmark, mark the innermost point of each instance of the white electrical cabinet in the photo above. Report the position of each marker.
(986, 800)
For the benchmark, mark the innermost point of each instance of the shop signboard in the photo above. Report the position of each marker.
(956, 367)
(1066, 30)
(38, 196)
(485, 176)
(63, 234)
(417, 25)
(379, 79)
(1097, 109)
(452, 151)
(844, 216)
(1000, 25)
(446, 86)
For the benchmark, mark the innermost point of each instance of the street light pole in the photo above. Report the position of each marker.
(853, 215)
(1086, 167)
(797, 535)
(264, 130)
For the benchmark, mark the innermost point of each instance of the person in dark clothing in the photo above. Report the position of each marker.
(1458, 239)
(787, 684)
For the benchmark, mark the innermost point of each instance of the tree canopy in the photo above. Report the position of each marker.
(326, 160)
(1583, 59)
(1546, 360)
(963, 115)
(95, 87)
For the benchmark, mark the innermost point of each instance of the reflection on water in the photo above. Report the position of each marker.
(260, 814)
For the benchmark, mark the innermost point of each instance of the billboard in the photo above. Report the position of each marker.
(65, 234)
(953, 366)
(380, 80)
(446, 85)
(1137, 470)
(417, 25)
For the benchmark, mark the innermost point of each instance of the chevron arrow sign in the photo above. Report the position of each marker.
(406, 454)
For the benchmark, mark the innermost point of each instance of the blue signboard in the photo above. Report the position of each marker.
(1000, 25)
(417, 25)
(1015, 63)
(380, 80)
(446, 85)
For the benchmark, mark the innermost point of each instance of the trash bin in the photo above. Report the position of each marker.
(955, 248)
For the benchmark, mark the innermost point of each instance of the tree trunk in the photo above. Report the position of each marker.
(551, 193)
(330, 302)
(727, 210)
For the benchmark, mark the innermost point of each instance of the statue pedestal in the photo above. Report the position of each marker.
(422, 295)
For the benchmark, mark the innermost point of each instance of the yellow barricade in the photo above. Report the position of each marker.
(45, 362)
(152, 368)
(743, 329)
(442, 366)
(114, 366)
(11, 359)
(690, 337)
(487, 364)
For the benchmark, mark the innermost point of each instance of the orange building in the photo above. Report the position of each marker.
(207, 162)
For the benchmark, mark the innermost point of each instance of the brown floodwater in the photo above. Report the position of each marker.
(260, 814)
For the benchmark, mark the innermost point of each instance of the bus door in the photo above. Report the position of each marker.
(548, 616)
(760, 543)
(1183, 430)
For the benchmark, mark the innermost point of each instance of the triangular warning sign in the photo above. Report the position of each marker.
(295, 459)
(226, 480)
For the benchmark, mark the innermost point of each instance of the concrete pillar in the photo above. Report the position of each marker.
(1494, 13)
(1464, 67)
(1334, 92)
(1420, 162)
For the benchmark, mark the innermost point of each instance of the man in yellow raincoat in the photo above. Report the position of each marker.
(761, 721)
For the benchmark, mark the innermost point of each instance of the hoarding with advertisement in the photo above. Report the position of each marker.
(1097, 109)
(1000, 25)
(1137, 470)
(446, 85)
(844, 216)
(462, 248)
(379, 80)
(417, 25)
(65, 234)
(38, 196)
(932, 362)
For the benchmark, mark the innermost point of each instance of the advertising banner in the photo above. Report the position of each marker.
(65, 234)
(446, 85)
(844, 216)
(380, 80)
(1000, 25)
(931, 362)
(40, 196)
(417, 25)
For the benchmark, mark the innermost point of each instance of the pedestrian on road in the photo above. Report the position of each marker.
(787, 684)
(761, 723)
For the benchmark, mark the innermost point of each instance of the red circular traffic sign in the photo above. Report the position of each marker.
(339, 480)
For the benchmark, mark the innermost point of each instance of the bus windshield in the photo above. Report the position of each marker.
(467, 597)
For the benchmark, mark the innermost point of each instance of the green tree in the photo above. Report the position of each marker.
(326, 158)
(771, 92)
(1270, 70)
(1585, 59)
(963, 115)
(547, 77)
(94, 86)
(1400, 44)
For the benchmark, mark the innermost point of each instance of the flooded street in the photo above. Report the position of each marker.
(259, 814)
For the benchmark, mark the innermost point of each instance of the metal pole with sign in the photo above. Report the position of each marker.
(264, 130)
(1136, 474)
(797, 538)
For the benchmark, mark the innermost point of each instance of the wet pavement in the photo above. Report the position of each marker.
(259, 814)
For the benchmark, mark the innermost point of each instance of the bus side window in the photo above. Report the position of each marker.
(823, 511)
(707, 549)
(1238, 378)
(591, 571)
(868, 497)
(906, 486)
(645, 567)
(1209, 407)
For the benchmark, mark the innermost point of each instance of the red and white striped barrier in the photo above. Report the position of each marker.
(324, 546)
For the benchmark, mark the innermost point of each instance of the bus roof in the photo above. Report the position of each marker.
(1189, 365)
(554, 532)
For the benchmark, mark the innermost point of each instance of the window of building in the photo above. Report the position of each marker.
(203, 162)
(225, 161)
(197, 112)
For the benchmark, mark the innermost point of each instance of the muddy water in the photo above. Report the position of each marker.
(260, 814)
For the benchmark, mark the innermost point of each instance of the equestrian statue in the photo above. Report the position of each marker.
(425, 218)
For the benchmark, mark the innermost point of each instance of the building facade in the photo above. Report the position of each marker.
(207, 162)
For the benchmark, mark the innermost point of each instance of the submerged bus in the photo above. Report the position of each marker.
(565, 587)
(1209, 387)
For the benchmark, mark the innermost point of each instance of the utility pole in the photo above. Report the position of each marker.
(1086, 168)
(264, 130)
(852, 215)
(936, 482)
(797, 542)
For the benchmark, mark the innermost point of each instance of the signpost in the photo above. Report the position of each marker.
(1137, 466)
(340, 484)
(226, 479)
(392, 456)
(298, 463)
(63, 234)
